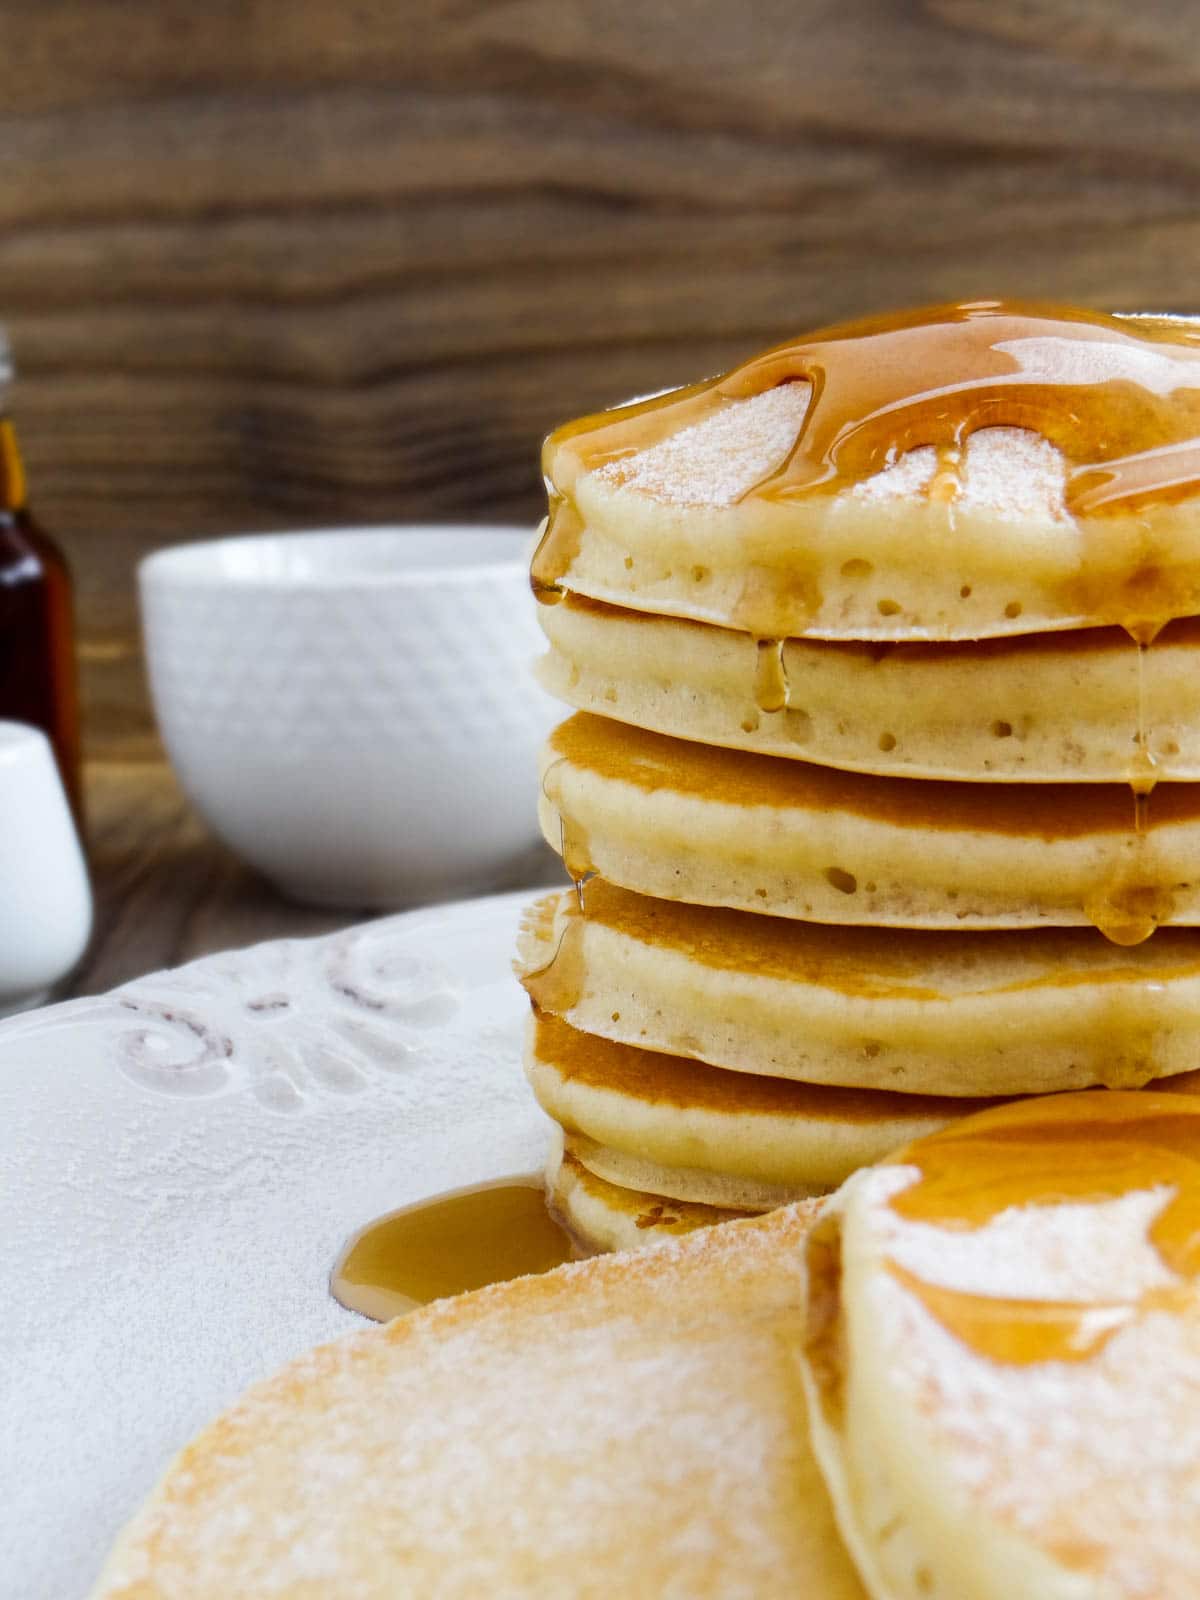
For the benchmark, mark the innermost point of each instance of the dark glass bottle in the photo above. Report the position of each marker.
(37, 652)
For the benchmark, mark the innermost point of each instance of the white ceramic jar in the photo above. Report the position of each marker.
(45, 900)
(352, 711)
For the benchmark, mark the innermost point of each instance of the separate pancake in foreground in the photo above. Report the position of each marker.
(1004, 1355)
(881, 480)
(683, 821)
(922, 1013)
(631, 1426)
(1043, 708)
(603, 1215)
(693, 1121)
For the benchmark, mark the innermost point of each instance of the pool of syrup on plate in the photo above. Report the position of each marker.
(445, 1246)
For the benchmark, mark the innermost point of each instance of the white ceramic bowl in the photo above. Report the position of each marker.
(45, 900)
(352, 711)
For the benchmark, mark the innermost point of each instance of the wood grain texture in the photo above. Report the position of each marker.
(272, 264)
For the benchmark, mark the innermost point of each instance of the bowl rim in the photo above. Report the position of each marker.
(182, 565)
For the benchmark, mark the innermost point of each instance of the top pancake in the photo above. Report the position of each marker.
(1006, 1347)
(630, 1427)
(986, 470)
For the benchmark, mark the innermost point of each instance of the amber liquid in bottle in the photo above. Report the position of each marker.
(37, 656)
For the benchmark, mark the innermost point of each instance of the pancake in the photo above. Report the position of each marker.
(693, 1122)
(605, 1216)
(1004, 1355)
(1045, 708)
(921, 1013)
(683, 821)
(694, 1185)
(882, 480)
(632, 1426)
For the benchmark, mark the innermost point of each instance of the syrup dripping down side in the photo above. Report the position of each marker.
(1130, 905)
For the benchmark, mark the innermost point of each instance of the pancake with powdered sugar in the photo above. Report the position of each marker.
(631, 1427)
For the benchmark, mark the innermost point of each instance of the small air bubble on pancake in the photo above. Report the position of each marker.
(965, 592)
(887, 608)
(857, 568)
(838, 878)
(1002, 730)
(628, 563)
(750, 723)
(616, 1016)
(1171, 748)
(699, 574)
(887, 741)
(869, 887)
(610, 696)
(1013, 608)
(871, 1049)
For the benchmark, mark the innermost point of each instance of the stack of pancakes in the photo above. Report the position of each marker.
(883, 768)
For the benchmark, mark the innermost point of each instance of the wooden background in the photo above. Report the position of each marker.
(286, 262)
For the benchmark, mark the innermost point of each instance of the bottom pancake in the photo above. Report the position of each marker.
(632, 1427)
(692, 1184)
(604, 1216)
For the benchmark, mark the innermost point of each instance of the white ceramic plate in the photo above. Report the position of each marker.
(180, 1163)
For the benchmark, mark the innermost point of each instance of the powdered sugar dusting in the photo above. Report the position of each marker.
(903, 480)
(1015, 475)
(717, 461)
(1096, 1461)
(1009, 473)
(1035, 1250)
(632, 1417)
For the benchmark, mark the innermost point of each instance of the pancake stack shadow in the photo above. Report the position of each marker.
(871, 809)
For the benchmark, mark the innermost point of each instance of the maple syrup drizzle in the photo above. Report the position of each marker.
(573, 847)
(770, 676)
(946, 483)
(445, 1246)
(558, 984)
(573, 844)
(1119, 397)
(1063, 1150)
(1129, 906)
